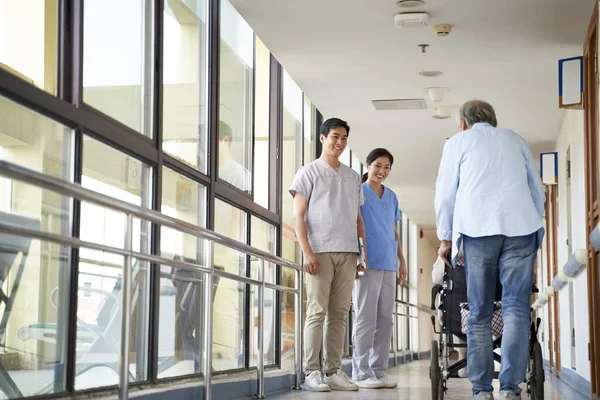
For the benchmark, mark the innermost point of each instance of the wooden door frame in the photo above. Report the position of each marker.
(590, 53)
(548, 227)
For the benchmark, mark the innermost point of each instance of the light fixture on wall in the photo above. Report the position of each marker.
(437, 93)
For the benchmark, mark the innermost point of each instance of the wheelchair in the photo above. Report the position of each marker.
(452, 295)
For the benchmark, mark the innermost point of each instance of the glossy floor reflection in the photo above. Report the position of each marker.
(413, 384)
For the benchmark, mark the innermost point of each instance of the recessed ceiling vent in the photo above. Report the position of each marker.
(400, 104)
(411, 20)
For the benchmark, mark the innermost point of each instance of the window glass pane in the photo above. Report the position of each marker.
(292, 161)
(356, 163)
(34, 141)
(181, 309)
(32, 56)
(231, 222)
(309, 131)
(228, 326)
(185, 81)
(117, 60)
(235, 96)
(33, 274)
(181, 291)
(228, 303)
(288, 329)
(99, 307)
(263, 236)
(262, 76)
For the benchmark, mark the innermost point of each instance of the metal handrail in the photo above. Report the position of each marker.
(19, 173)
(35, 178)
(408, 315)
(406, 304)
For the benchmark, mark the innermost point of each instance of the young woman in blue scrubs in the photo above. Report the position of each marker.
(374, 293)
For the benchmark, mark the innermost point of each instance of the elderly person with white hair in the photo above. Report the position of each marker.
(490, 200)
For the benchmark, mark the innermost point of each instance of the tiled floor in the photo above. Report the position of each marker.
(413, 384)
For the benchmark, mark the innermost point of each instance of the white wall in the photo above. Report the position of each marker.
(413, 281)
(426, 256)
(422, 253)
(572, 136)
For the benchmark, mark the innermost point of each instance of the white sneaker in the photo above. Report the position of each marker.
(370, 383)
(388, 382)
(314, 383)
(340, 381)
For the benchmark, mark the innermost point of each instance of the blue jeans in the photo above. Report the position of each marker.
(511, 259)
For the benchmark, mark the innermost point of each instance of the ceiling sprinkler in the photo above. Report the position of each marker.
(423, 48)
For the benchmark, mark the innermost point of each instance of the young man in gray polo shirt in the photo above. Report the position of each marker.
(327, 199)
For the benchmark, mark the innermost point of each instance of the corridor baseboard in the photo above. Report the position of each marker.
(576, 381)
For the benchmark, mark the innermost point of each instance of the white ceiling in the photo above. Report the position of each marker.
(344, 54)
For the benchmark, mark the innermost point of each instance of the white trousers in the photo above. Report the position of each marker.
(373, 298)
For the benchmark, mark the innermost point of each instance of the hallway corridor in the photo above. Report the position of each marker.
(413, 384)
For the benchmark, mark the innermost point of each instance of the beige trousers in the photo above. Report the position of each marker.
(328, 304)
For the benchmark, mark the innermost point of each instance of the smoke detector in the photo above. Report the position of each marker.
(410, 3)
(443, 29)
(411, 20)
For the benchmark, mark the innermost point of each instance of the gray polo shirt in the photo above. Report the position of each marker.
(333, 202)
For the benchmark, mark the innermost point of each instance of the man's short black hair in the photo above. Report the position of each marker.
(333, 123)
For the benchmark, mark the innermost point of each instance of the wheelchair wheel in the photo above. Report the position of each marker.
(437, 386)
(537, 373)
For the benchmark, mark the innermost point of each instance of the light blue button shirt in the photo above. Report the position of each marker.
(380, 216)
(488, 185)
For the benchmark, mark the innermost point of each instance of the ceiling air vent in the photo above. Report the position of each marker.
(411, 20)
(400, 104)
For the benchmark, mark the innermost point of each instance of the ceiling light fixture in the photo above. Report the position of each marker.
(437, 93)
(430, 74)
(443, 111)
(410, 3)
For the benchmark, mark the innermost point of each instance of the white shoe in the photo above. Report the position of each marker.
(314, 383)
(340, 381)
(388, 382)
(370, 383)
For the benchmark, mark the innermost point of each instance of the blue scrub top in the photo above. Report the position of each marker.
(380, 216)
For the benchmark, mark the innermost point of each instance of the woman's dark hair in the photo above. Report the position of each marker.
(333, 123)
(374, 155)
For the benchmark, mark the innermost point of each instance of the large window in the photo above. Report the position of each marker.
(34, 274)
(309, 129)
(117, 60)
(152, 81)
(262, 76)
(185, 81)
(264, 237)
(292, 161)
(230, 296)
(28, 41)
(99, 302)
(181, 291)
(235, 99)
